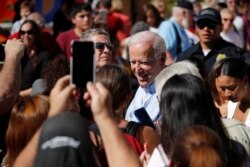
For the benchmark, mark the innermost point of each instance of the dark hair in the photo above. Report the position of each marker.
(233, 67)
(118, 82)
(76, 8)
(198, 146)
(150, 7)
(55, 69)
(185, 102)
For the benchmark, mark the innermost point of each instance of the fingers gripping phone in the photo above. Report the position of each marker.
(82, 63)
(143, 117)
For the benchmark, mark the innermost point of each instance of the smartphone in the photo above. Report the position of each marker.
(2, 53)
(2, 56)
(82, 63)
(143, 117)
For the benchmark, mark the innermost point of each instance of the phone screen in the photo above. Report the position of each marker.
(82, 63)
(142, 115)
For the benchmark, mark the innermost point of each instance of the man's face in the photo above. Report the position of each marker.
(103, 50)
(24, 12)
(144, 64)
(187, 20)
(208, 31)
(231, 5)
(83, 20)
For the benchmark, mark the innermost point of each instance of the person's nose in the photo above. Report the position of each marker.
(106, 49)
(228, 93)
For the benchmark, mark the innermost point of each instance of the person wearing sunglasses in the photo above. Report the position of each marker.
(35, 57)
(103, 46)
(211, 46)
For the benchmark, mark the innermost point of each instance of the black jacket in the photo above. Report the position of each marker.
(221, 49)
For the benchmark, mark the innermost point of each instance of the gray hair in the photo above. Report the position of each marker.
(182, 67)
(88, 34)
(157, 42)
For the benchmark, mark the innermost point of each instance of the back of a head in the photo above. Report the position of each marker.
(118, 82)
(65, 141)
(38, 18)
(198, 146)
(27, 115)
(55, 69)
(183, 67)
(139, 26)
(148, 37)
(186, 97)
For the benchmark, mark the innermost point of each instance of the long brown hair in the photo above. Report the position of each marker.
(198, 146)
(27, 116)
(118, 82)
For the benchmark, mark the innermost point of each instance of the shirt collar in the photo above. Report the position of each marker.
(149, 88)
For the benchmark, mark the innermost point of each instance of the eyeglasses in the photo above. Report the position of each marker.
(202, 25)
(29, 32)
(228, 19)
(101, 45)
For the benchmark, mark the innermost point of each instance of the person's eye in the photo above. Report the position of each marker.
(232, 88)
(132, 62)
(145, 63)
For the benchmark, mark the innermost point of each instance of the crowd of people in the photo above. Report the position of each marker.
(169, 91)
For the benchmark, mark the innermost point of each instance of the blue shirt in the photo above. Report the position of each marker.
(147, 98)
(167, 32)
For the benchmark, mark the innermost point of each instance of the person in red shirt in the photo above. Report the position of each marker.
(81, 17)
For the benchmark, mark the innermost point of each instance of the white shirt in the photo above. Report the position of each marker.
(147, 98)
(233, 37)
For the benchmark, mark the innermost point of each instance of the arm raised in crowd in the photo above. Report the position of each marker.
(60, 99)
(10, 75)
(117, 148)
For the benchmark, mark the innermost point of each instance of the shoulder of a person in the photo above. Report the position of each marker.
(166, 23)
(65, 33)
(189, 52)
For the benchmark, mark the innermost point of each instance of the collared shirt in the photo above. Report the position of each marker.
(147, 98)
(168, 33)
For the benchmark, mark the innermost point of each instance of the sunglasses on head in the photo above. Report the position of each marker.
(209, 25)
(101, 45)
(29, 32)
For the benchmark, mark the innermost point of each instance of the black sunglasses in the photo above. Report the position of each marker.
(29, 32)
(101, 45)
(209, 25)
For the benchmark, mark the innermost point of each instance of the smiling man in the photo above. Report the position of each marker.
(211, 46)
(147, 51)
